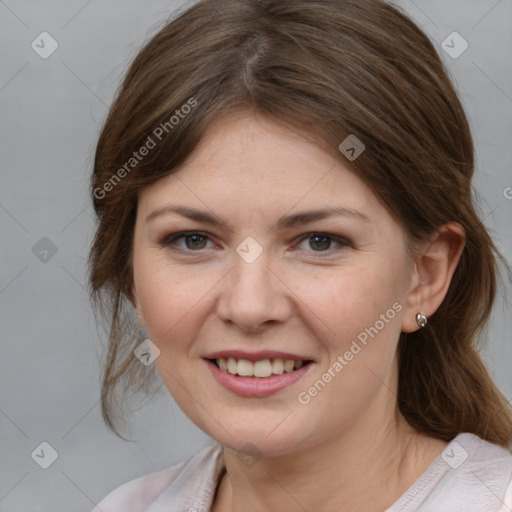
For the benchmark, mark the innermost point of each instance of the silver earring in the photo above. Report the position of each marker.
(421, 319)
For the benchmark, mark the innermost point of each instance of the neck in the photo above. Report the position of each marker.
(368, 467)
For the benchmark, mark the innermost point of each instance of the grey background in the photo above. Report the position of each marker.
(51, 112)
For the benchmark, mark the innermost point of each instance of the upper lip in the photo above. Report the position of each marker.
(255, 356)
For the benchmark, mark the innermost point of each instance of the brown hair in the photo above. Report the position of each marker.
(330, 68)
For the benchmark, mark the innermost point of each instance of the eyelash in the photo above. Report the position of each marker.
(169, 240)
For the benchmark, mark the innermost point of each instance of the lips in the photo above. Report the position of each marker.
(256, 373)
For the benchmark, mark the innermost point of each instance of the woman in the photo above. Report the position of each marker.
(285, 202)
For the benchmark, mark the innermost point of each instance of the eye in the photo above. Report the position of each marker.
(194, 241)
(321, 242)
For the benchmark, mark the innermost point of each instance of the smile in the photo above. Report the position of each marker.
(263, 368)
(259, 378)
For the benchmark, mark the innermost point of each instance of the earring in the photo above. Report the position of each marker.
(421, 319)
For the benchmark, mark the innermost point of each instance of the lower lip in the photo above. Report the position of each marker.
(256, 386)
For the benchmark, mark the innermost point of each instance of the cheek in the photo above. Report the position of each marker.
(173, 303)
(362, 312)
(170, 297)
(349, 299)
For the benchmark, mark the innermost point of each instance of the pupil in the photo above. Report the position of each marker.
(194, 243)
(326, 240)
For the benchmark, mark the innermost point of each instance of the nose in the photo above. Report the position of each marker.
(254, 296)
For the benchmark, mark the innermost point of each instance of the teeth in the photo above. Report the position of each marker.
(288, 365)
(277, 366)
(264, 368)
(245, 368)
(232, 366)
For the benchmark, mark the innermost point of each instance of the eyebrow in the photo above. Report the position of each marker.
(287, 221)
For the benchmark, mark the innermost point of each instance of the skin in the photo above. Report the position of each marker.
(347, 449)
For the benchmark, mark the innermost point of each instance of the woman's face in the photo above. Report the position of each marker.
(268, 281)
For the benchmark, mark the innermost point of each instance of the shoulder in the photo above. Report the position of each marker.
(478, 476)
(138, 494)
(470, 475)
(472, 456)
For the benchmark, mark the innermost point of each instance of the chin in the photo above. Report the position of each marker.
(257, 439)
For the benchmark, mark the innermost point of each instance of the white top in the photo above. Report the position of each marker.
(470, 475)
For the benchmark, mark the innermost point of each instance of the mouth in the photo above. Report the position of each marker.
(263, 368)
(257, 374)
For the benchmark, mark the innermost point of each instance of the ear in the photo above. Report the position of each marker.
(433, 271)
(138, 309)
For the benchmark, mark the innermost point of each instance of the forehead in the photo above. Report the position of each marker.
(253, 159)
